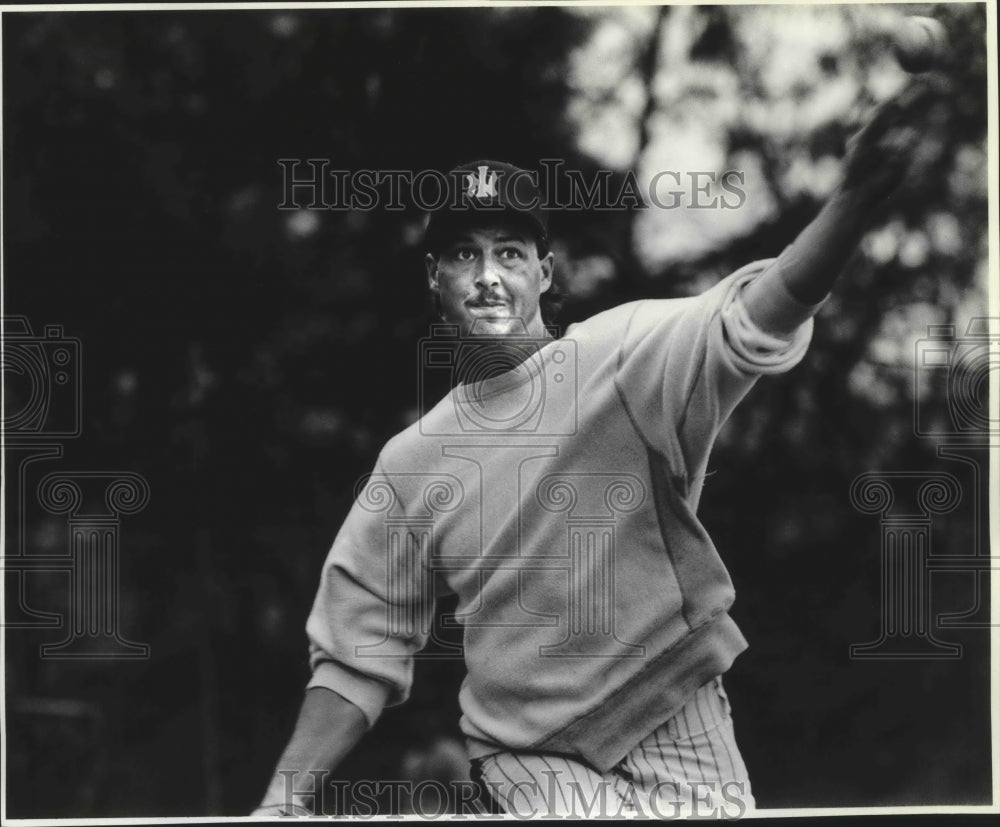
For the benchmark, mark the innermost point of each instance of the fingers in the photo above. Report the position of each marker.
(880, 153)
(878, 162)
(909, 106)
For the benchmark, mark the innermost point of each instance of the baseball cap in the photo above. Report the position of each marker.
(479, 190)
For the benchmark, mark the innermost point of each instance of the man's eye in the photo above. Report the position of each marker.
(511, 252)
(464, 254)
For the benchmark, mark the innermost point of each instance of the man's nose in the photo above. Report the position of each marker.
(488, 273)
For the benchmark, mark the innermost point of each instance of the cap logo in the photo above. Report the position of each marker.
(483, 185)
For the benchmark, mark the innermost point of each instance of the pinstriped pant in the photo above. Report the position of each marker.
(688, 766)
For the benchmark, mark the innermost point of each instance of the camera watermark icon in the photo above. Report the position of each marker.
(977, 561)
(435, 532)
(42, 409)
(508, 385)
(957, 369)
(951, 387)
(41, 380)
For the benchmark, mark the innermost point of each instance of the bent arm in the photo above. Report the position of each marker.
(328, 728)
(361, 662)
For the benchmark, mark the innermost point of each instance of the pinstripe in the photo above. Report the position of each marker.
(729, 755)
(626, 768)
(676, 751)
(606, 781)
(741, 769)
(702, 727)
(690, 742)
(705, 710)
(719, 704)
(724, 737)
(558, 782)
(652, 771)
(485, 773)
(505, 771)
(501, 770)
(679, 774)
(532, 778)
(719, 746)
(521, 764)
(518, 760)
(588, 777)
(727, 710)
(508, 797)
(671, 727)
(569, 766)
(593, 780)
(536, 777)
(628, 782)
(538, 769)
(584, 789)
(622, 785)
(669, 774)
(711, 748)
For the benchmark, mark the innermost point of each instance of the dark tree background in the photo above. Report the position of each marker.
(249, 362)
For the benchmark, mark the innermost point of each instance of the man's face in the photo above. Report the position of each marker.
(489, 280)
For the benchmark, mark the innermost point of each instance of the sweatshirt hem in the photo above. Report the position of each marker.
(605, 734)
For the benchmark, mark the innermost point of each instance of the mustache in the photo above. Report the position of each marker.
(487, 300)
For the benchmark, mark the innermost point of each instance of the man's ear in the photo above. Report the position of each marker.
(432, 272)
(548, 265)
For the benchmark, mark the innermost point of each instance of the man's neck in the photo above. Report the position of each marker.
(495, 356)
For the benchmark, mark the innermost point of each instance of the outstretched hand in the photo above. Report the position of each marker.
(901, 135)
(881, 152)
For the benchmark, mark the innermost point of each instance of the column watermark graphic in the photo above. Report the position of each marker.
(905, 596)
(409, 537)
(591, 504)
(42, 377)
(577, 573)
(951, 409)
(95, 589)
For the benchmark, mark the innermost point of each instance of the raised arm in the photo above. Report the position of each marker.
(328, 728)
(876, 161)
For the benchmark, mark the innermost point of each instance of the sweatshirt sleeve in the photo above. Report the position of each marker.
(374, 605)
(686, 363)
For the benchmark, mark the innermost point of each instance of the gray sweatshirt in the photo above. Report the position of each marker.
(558, 501)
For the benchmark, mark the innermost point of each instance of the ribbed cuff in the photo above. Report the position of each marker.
(771, 306)
(752, 348)
(367, 694)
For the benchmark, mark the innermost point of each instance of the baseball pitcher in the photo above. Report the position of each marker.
(554, 490)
